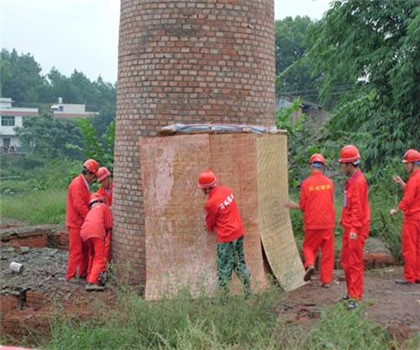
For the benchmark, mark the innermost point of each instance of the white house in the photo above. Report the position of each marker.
(12, 117)
(70, 111)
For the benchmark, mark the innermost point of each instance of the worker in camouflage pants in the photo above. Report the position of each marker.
(230, 257)
(222, 215)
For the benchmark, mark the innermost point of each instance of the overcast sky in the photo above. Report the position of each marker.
(83, 34)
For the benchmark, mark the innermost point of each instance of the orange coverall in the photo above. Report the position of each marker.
(222, 213)
(94, 231)
(107, 194)
(317, 204)
(77, 208)
(355, 218)
(410, 205)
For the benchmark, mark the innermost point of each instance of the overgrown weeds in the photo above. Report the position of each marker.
(213, 323)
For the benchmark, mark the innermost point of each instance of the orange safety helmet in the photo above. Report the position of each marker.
(91, 165)
(102, 173)
(317, 158)
(95, 197)
(349, 154)
(411, 156)
(206, 179)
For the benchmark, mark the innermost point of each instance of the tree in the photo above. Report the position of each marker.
(292, 68)
(46, 137)
(99, 148)
(20, 77)
(374, 46)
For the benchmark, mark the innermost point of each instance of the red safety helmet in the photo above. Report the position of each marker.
(411, 156)
(317, 158)
(95, 197)
(206, 179)
(349, 154)
(91, 165)
(102, 173)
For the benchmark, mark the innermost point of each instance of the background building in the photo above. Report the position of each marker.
(70, 111)
(12, 117)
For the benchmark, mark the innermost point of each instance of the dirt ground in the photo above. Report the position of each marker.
(30, 299)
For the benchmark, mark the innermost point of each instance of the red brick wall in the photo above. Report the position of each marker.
(183, 61)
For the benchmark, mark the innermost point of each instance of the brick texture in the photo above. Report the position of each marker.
(183, 61)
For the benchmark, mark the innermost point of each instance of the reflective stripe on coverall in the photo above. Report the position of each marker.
(355, 218)
(317, 204)
(77, 208)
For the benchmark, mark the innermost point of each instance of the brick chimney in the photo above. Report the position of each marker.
(183, 61)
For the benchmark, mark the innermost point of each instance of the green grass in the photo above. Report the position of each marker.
(342, 329)
(204, 323)
(35, 207)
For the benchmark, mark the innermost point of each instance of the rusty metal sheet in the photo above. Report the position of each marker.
(274, 221)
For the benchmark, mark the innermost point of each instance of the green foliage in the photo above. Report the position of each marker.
(300, 141)
(371, 48)
(79, 89)
(205, 323)
(40, 207)
(341, 329)
(180, 323)
(305, 140)
(293, 70)
(99, 148)
(102, 121)
(20, 77)
(45, 137)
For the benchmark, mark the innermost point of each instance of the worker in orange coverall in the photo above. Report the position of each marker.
(222, 215)
(77, 208)
(317, 204)
(410, 205)
(96, 227)
(104, 178)
(355, 220)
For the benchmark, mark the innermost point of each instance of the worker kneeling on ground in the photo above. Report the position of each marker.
(223, 216)
(96, 227)
(317, 204)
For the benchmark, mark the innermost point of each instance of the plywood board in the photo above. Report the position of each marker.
(234, 158)
(179, 253)
(274, 222)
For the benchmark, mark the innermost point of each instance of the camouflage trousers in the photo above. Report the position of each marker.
(230, 257)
